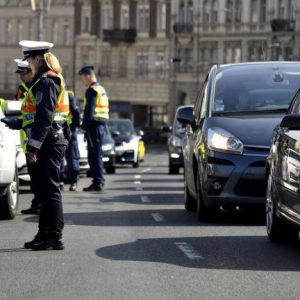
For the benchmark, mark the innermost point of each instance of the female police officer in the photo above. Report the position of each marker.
(44, 114)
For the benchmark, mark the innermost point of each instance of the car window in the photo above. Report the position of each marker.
(200, 105)
(256, 87)
(296, 106)
(123, 126)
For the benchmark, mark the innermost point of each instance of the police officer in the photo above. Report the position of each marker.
(45, 122)
(71, 174)
(95, 116)
(26, 76)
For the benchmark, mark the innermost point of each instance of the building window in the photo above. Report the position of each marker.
(124, 16)
(31, 30)
(55, 32)
(66, 33)
(122, 65)
(215, 9)
(86, 19)
(263, 11)
(229, 11)
(254, 11)
(181, 13)
(142, 65)
(8, 32)
(105, 70)
(206, 15)
(161, 17)
(238, 10)
(290, 10)
(186, 13)
(189, 13)
(233, 54)
(143, 18)
(107, 17)
(160, 65)
(281, 9)
(20, 31)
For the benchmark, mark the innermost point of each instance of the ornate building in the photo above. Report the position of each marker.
(19, 22)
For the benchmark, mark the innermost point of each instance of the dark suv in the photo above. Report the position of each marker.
(229, 133)
(175, 143)
(283, 178)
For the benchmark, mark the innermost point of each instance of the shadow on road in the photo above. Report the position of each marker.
(218, 252)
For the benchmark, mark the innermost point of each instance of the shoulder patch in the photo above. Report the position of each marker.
(39, 97)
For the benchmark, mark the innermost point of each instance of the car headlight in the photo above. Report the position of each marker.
(176, 141)
(107, 147)
(221, 140)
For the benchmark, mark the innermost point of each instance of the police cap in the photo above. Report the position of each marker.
(86, 70)
(22, 66)
(34, 48)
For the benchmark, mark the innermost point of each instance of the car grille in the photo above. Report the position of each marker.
(250, 188)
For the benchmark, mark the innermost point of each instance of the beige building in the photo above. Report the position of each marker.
(19, 22)
(150, 55)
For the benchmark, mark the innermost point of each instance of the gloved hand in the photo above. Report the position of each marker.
(12, 123)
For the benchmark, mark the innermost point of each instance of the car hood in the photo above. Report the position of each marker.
(250, 129)
(123, 138)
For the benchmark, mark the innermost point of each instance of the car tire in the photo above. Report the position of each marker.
(189, 201)
(9, 201)
(203, 212)
(136, 164)
(110, 170)
(278, 231)
(173, 169)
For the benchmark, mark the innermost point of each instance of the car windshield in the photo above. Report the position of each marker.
(125, 127)
(256, 88)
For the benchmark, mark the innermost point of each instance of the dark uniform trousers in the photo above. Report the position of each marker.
(49, 157)
(73, 156)
(33, 172)
(94, 141)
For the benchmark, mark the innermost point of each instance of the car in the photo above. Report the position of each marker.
(9, 181)
(229, 134)
(108, 148)
(283, 178)
(175, 143)
(127, 141)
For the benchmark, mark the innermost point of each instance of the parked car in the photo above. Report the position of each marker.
(108, 148)
(229, 133)
(9, 181)
(127, 141)
(175, 143)
(283, 178)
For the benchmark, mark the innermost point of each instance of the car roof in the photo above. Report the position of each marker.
(260, 63)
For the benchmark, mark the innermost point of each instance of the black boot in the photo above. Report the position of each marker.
(93, 188)
(49, 244)
(36, 240)
(31, 211)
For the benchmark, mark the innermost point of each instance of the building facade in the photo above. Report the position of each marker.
(19, 22)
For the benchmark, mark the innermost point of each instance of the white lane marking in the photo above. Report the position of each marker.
(145, 170)
(188, 250)
(137, 182)
(139, 189)
(137, 176)
(158, 217)
(145, 199)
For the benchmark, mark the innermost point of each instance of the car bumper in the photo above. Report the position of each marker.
(125, 157)
(235, 179)
(109, 159)
(175, 156)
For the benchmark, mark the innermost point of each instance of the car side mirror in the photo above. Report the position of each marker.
(115, 133)
(292, 122)
(140, 133)
(186, 116)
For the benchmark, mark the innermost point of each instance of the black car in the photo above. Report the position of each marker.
(229, 133)
(175, 143)
(283, 178)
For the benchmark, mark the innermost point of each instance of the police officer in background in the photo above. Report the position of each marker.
(44, 119)
(26, 76)
(71, 173)
(95, 116)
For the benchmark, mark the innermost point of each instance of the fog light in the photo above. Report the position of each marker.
(175, 155)
(105, 159)
(217, 186)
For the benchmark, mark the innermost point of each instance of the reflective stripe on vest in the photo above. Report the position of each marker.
(61, 109)
(101, 110)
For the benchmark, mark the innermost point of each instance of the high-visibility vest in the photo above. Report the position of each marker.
(101, 110)
(22, 91)
(62, 103)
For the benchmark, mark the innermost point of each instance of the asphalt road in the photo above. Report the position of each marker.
(135, 241)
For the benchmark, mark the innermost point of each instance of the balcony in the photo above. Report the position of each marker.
(278, 25)
(183, 28)
(119, 35)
